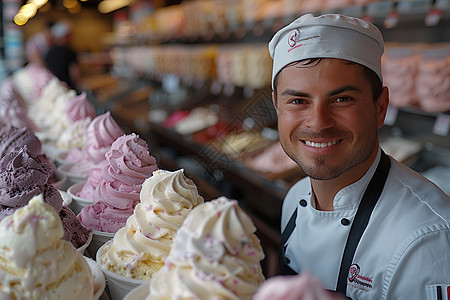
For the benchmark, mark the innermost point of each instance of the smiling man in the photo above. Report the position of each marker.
(366, 225)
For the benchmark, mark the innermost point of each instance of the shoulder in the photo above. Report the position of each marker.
(415, 213)
(414, 190)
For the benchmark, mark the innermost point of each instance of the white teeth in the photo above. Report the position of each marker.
(320, 145)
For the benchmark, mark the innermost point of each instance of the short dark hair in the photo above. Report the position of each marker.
(371, 76)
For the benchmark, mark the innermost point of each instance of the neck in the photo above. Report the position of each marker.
(326, 190)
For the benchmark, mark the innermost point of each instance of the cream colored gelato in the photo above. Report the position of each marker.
(138, 250)
(215, 255)
(35, 263)
(48, 112)
(74, 136)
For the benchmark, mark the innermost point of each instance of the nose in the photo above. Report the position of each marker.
(319, 117)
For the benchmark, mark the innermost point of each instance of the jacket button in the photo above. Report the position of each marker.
(345, 222)
(303, 203)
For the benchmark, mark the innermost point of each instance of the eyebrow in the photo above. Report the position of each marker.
(297, 93)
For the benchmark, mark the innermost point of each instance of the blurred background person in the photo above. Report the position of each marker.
(38, 45)
(61, 60)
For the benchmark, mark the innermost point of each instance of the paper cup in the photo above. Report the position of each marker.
(67, 200)
(119, 286)
(71, 177)
(77, 202)
(139, 293)
(98, 239)
(84, 247)
(99, 278)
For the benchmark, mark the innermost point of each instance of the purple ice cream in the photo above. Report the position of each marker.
(23, 175)
(12, 139)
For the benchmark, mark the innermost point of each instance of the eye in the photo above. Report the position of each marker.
(342, 99)
(297, 101)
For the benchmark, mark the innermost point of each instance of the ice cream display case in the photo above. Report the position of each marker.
(209, 108)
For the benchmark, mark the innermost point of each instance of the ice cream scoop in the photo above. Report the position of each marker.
(74, 232)
(48, 112)
(129, 164)
(74, 136)
(79, 108)
(31, 80)
(35, 263)
(87, 192)
(138, 250)
(13, 108)
(101, 133)
(79, 113)
(24, 175)
(215, 255)
(12, 139)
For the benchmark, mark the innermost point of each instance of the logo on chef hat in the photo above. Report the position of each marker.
(293, 37)
(353, 272)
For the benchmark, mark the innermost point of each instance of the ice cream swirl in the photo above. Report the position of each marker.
(117, 194)
(24, 175)
(138, 250)
(214, 255)
(35, 262)
(102, 132)
(79, 108)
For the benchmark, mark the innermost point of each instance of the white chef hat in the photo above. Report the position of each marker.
(61, 29)
(327, 36)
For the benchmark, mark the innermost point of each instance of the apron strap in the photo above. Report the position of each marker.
(283, 261)
(368, 202)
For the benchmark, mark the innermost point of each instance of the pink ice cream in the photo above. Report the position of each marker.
(102, 132)
(129, 164)
(295, 287)
(31, 80)
(87, 192)
(79, 108)
(40, 77)
(24, 175)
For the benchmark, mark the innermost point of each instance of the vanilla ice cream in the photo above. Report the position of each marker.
(215, 255)
(35, 263)
(138, 250)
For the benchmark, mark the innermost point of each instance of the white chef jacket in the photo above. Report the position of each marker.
(404, 252)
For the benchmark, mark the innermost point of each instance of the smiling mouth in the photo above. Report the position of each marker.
(321, 145)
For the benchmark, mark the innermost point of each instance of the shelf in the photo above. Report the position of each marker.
(385, 14)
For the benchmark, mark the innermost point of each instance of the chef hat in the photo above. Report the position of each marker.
(327, 36)
(61, 29)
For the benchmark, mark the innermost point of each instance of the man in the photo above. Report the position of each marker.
(366, 225)
(61, 60)
(38, 45)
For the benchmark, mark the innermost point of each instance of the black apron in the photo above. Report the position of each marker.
(368, 201)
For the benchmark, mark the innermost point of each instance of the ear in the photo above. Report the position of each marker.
(274, 100)
(382, 105)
